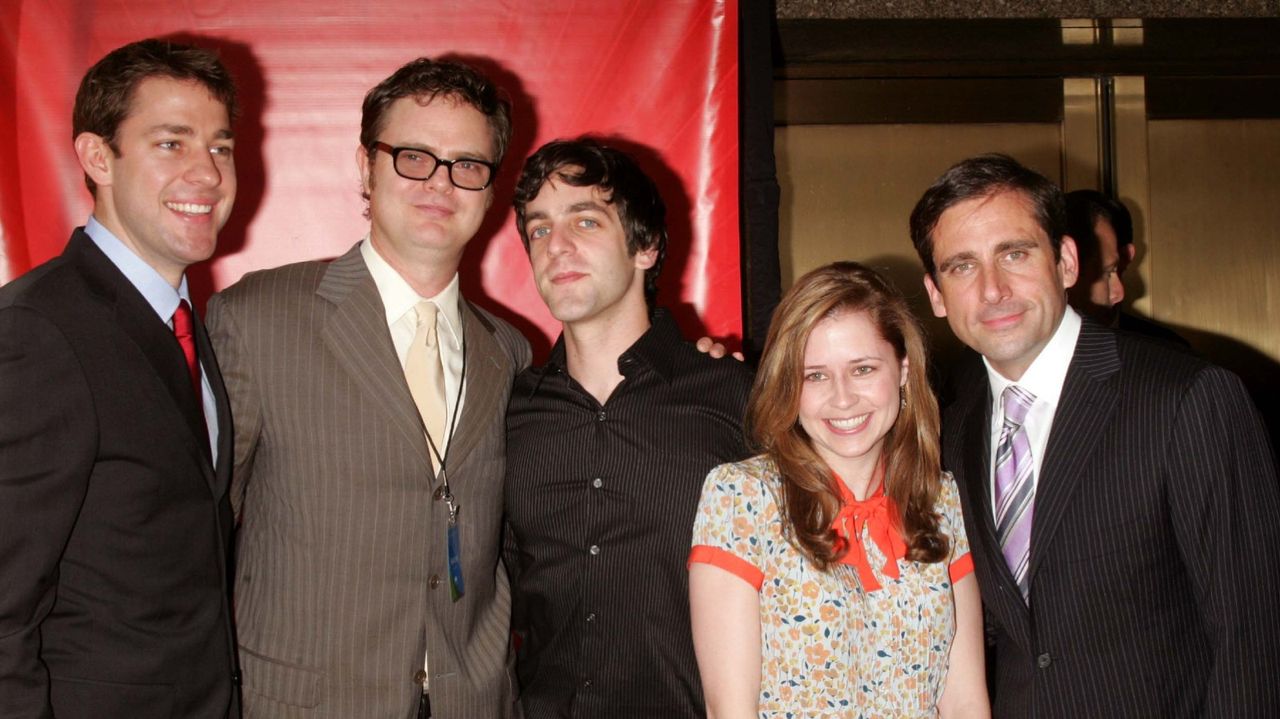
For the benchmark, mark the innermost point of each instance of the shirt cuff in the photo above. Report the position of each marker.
(731, 563)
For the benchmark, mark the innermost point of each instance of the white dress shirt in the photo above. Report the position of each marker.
(1043, 379)
(399, 301)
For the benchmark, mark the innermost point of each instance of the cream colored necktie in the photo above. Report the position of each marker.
(425, 373)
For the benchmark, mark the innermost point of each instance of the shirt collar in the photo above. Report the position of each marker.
(1045, 376)
(154, 289)
(656, 348)
(398, 298)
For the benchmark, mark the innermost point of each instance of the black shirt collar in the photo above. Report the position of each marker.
(655, 349)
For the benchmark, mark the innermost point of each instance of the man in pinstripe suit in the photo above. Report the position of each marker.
(345, 603)
(1146, 581)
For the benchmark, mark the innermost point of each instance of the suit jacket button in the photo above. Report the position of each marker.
(1044, 660)
(434, 581)
(420, 676)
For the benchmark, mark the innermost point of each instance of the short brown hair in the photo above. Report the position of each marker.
(987, 176)
(426, 79)
(105, 97)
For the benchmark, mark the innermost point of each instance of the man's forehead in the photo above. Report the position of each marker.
(161, 101)
(560, 181)
(469, 126)
(985, 222)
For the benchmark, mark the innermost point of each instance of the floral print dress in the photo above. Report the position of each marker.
(853, 642)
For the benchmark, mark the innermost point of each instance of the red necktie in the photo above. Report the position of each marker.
(183, 329)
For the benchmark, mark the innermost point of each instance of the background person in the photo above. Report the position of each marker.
(1103, 232)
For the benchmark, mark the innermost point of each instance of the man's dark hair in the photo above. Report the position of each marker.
(1084, 209)
(424, 80)
(587, 162)
(105, 97)
(986, 176)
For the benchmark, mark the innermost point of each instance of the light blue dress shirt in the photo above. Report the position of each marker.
(163, 299)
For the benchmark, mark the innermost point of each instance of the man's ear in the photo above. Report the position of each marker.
(644, 259)
(95, 157)
(363, 162)
(1068, 261)
(935, 297)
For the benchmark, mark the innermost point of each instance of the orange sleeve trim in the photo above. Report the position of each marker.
(731, 563)
(962, 567)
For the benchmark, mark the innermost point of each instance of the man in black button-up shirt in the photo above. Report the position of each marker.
(608, 445)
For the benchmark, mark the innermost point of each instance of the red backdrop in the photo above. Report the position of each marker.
(659, 77)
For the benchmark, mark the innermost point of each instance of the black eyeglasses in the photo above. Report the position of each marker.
(414, 163)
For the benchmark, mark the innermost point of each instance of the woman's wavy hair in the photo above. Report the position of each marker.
(913, 466)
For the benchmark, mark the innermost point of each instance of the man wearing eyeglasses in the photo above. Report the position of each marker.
(368, 398)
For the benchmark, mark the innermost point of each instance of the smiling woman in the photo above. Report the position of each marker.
(809, 559)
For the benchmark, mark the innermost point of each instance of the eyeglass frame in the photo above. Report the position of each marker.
(394, 152)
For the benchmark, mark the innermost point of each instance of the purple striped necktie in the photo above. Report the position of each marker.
(1015, 485)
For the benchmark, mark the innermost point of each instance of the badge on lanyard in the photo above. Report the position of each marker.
(456, 587)
(443, 493)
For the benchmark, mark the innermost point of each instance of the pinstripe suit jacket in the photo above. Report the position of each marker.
(1154, 574)
(341, 578)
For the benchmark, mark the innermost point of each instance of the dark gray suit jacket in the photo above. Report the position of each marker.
(341, 581)
(1155, 582)
(114, 524)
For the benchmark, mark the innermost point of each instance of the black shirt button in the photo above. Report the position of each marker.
(600, 416)
(420, 676)
(434, 581)
(591, 617)
(586, 683)
(1044, 660)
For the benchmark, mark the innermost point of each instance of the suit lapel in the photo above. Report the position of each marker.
(488, 376)
(1087, 403)
(356, 333)
(974, 436)
(220, 477)
(138, 320)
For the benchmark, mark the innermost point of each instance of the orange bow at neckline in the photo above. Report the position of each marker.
(877, 514)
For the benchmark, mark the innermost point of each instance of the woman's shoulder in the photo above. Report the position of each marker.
(757, 470)
(948, 490)
(752, 477)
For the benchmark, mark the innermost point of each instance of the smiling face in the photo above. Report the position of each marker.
(998, 284)
(426, 221)
(578, 250)
(849, 397)
(171, 187)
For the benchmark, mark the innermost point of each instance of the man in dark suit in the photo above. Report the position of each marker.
(115, 435)
(1120, 496)
(369, 398)
(1103, 232)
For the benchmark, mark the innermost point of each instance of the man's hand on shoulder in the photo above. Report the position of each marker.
(706, 345)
